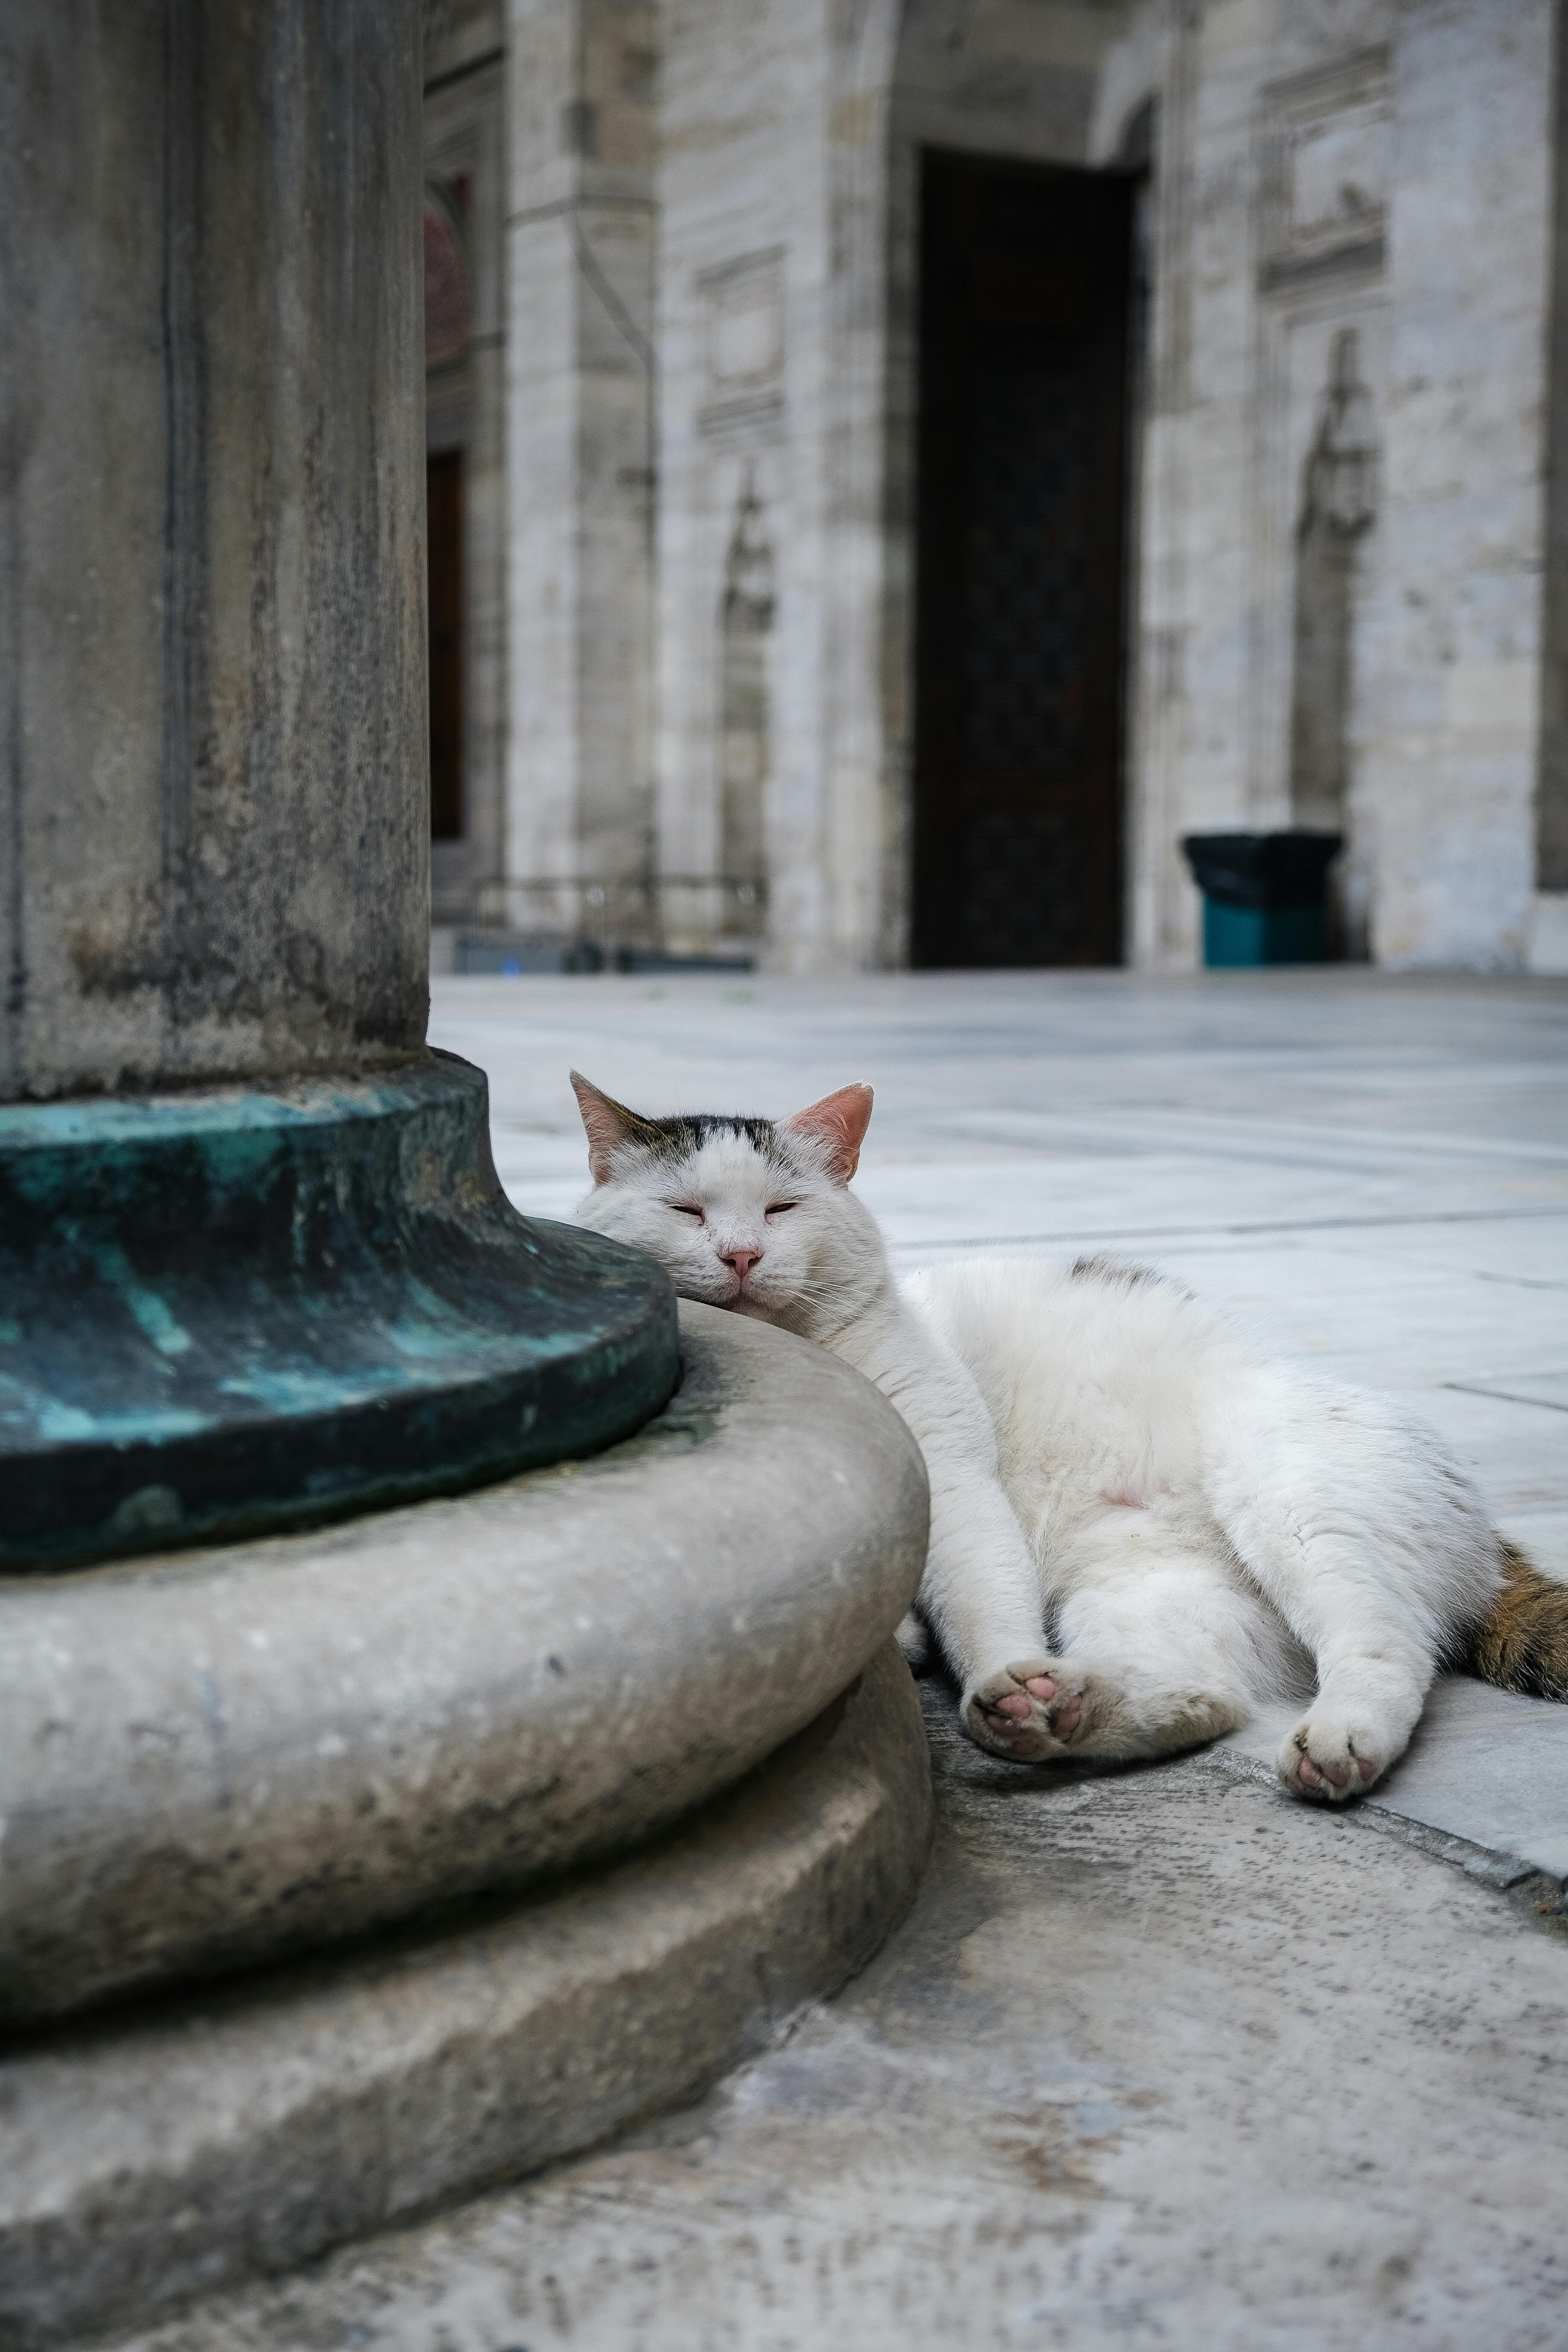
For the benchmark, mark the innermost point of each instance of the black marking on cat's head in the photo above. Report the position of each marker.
(613, 1127)
(1114, 1273)
(675, 1139)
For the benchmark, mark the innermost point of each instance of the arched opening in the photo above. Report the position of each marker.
(1019, 154)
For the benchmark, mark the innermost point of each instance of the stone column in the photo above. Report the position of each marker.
(1451, 761)
(230, 1308)
(580, 461)
(212, 600)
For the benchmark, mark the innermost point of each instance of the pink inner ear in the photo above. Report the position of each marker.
(839, 1121)
(604, 1122)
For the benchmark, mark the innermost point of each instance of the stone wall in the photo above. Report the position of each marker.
(1339, 541)
(1455, 649)
(1343, 511)
(743, 261)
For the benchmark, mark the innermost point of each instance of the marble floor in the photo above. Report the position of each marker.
(1162, 2061)
(1372, 1170)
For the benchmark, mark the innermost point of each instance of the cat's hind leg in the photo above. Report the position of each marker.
(1371, 1543)
(913, 1638)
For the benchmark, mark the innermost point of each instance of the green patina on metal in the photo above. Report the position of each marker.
(238, 1310)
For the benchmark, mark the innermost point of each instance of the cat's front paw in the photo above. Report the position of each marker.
(913, 1638)
(1030, 1711)
(1327, 1758)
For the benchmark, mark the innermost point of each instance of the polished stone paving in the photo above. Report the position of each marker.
(1161, 2058)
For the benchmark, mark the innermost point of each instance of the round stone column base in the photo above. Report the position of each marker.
(213, 1760)
(244, 1308)
(159, 2154)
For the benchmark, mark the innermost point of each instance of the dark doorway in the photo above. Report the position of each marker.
(443, 524)
(1025, 306)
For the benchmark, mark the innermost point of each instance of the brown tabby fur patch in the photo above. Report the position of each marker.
(1521, 1643)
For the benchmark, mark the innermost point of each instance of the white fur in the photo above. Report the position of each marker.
(1131, 1507)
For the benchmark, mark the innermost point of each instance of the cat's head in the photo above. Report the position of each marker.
(753, 1214)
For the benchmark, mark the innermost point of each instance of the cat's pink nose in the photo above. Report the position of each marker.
(742, 1260)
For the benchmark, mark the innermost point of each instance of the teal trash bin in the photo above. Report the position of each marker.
(1264, 895)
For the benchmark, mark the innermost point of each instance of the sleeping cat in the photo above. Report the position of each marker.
(1200, 1527)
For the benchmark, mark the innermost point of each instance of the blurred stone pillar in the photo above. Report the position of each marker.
(580, 456)
(212, 594)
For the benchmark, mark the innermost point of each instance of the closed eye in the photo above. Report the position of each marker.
(689, 1209)
(777, 1208)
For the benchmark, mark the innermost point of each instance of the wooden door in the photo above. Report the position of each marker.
(444, 513)
(1024, 305)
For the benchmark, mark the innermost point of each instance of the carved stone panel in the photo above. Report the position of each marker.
(743, 345)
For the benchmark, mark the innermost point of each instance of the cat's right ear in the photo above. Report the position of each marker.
(608, 1124)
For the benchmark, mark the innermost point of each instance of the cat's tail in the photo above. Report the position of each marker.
(1521, 1643)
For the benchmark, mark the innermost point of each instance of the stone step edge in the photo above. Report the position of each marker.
(146, 2163)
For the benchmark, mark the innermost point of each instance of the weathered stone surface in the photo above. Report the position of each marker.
(212, 607)
(259, 2127)
(209, 1758)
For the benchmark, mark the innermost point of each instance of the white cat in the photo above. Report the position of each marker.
(1201, 1526)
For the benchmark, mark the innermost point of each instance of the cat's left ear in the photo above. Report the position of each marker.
(836, 1125)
